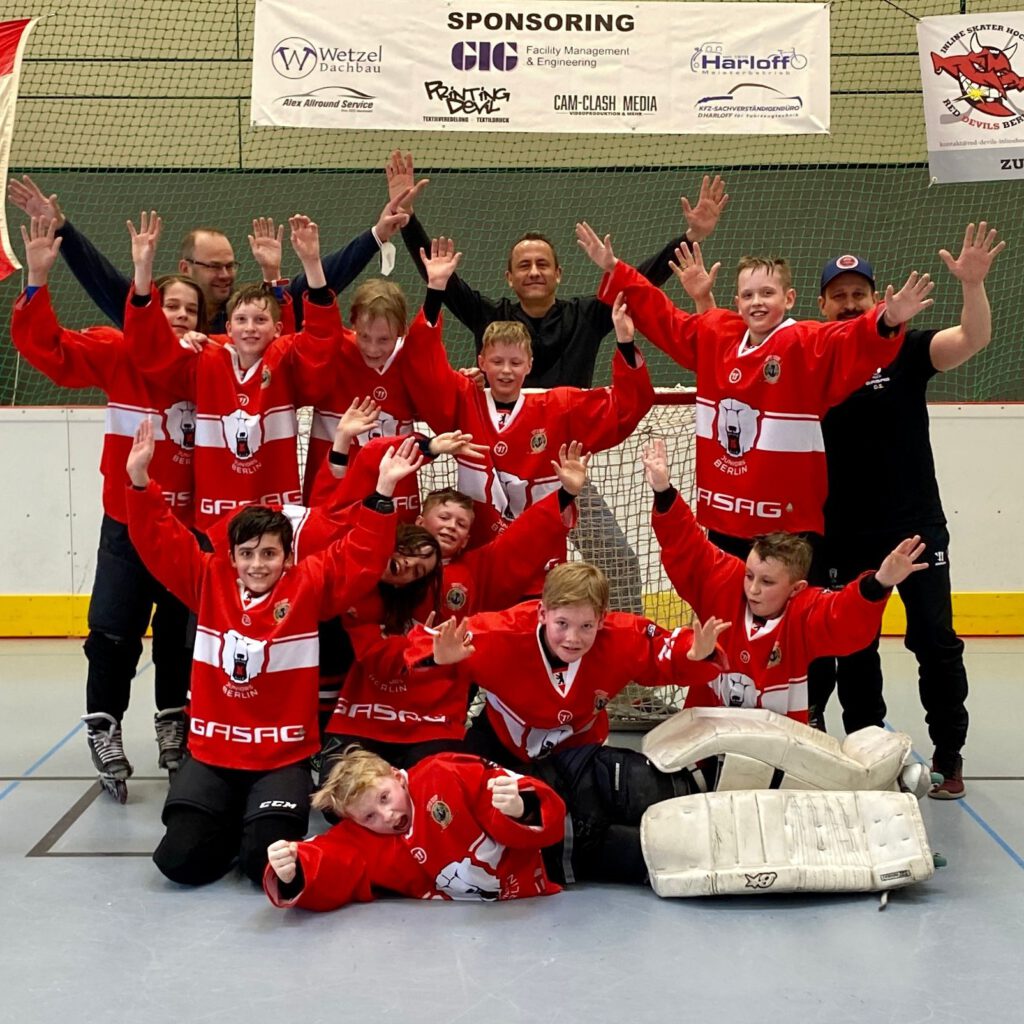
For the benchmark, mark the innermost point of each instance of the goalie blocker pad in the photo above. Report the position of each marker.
(717, 844)
(757, 744)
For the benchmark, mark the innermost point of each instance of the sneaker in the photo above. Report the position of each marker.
(951, 768)
(170, 737)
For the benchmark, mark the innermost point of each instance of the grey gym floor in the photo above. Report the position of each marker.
(92, 932)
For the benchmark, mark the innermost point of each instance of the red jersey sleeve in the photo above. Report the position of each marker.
(168, 549)
(840, 622)
(654, 313)
(508, 831)
(604, 417)
(308, 354)
(698, 571)
(72, 359)
(353, 565)
(155, 348)
(436, 391)
(849, 351)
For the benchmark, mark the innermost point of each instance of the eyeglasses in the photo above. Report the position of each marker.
(215, 267)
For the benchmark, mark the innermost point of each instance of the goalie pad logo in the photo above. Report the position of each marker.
(762, 880)
(737, 427)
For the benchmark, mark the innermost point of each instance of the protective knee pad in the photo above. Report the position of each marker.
(116, 657)
(196, 849)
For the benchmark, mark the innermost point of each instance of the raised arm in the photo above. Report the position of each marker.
(467, 305)
(955, 345)
(103, 282)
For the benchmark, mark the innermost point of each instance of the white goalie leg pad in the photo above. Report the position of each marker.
(755, 842)
(757, 742)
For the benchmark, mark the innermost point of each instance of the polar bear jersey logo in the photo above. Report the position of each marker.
(242, 659)
(180, 420)
(464, 880)
(737, 427)
(735, 690)
(243, 434)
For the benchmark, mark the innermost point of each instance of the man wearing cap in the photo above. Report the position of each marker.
(882, 487)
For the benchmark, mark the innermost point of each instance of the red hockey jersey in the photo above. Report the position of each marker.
(245, 420)
(101, 358)
(458, 846)
(760, 452)
(516, 472)
(253, 701)
(767, 663)
(394, 388)
(535, 708)
(381, 698)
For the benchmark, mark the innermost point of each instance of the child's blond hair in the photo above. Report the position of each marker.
(350, 776)
(576, 583)
(507, 332)
(791, 551)
(772, 264)
(378, 298)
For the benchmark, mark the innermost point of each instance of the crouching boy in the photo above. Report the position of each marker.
(253, 701)
(455, 827)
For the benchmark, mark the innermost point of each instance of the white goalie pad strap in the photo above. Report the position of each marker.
(868, 759)
(774, 841)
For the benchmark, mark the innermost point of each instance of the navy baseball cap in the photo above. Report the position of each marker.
(846, 264)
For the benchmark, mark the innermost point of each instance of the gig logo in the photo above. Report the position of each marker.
(484, 56)
(294, 57)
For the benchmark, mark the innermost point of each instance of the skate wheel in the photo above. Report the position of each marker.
(117, 788)
(939, 860)
(938, 778)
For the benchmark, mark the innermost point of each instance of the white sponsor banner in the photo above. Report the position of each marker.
(430, 65)
(972, 73)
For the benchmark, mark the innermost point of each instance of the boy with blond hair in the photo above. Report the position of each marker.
(454, 827)
(549, 668)
(779, 622)
(764, 382)
(245, 392)
(522, 431)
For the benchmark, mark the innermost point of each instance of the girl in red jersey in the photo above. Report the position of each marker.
(124, 592)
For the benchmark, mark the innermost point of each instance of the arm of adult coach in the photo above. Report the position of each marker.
(102, 281)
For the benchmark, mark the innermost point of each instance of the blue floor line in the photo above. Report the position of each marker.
(985, 826)
(11, 786)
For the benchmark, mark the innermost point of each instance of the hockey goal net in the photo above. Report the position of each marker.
(614, 532)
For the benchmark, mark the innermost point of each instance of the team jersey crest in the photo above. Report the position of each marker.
(439, 811)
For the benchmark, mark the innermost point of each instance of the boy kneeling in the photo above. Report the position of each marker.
(455, 827)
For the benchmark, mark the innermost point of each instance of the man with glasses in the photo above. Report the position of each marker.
(206, 256)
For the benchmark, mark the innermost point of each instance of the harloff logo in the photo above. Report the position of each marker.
(712, 58)
(294, 57)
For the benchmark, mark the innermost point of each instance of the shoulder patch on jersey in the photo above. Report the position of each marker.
(651, 629)
(439, 811)
(265, 377)
(775, 657)
(600, 700)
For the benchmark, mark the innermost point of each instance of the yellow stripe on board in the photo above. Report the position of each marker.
(974, 614)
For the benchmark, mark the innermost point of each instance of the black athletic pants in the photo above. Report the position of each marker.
(942, 678)
(123, 595)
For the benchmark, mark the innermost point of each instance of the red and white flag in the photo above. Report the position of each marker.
(13, 37)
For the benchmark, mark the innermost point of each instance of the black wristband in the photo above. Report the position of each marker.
(432, 305)
(871, 589)
(337, 458)
(321, 296)
(378, 502)
(628, 350)
(663, 500)
(565, 499)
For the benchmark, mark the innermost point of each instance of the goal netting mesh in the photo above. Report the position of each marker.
(127, 105)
